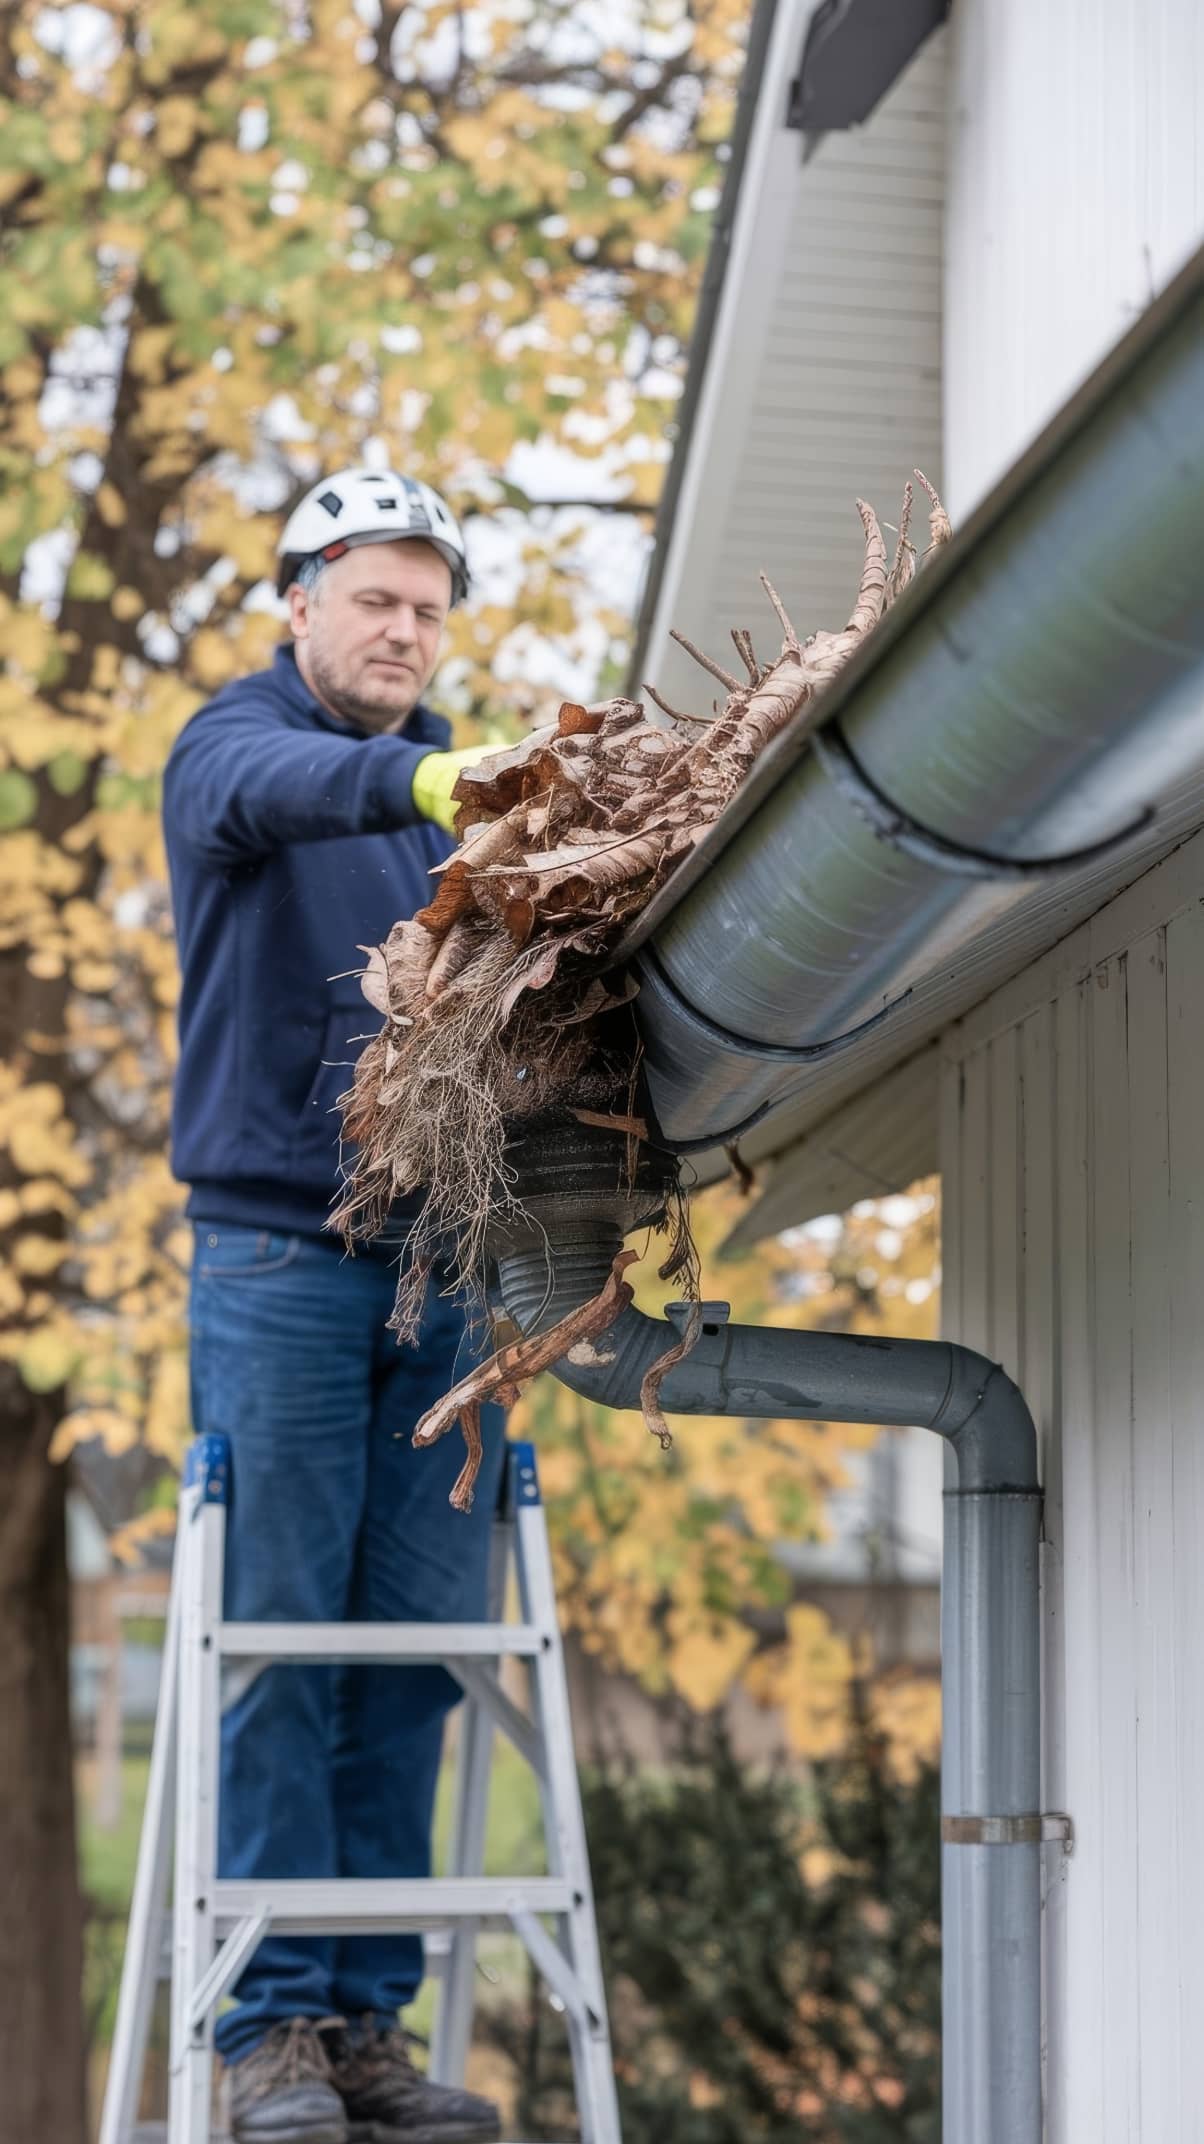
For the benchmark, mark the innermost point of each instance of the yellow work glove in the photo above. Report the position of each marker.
(435, 777)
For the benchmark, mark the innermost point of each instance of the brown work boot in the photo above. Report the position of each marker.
(281, 2093)
(388, 2101)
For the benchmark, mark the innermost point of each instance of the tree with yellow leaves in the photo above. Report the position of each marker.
(242, 241)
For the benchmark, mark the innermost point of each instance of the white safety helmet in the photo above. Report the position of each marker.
(370, 506)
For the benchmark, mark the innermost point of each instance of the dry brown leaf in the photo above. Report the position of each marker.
(520, 1360)
(495, 1006)
(375, 979)
(458, 950)
(533, 976)
(574, 721)
(466, 1480)
(650, 1389)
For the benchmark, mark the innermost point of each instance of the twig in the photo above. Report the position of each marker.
(520, 1360)
(747, 653)
(725, 677)
(675, 713)
(792, 639)
(903, 564)
(940, 528)
(746, 1181)
(871, 596)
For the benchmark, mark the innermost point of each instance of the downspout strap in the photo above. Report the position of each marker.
(1052, 1828)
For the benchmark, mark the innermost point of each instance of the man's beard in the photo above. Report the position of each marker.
(343, 699)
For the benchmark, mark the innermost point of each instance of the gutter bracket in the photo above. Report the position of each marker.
(711, 1316)
(1053, 1829)
(891, 823)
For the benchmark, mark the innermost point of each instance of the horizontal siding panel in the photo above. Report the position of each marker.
(866, 186)
(908, 328)
(792, 422)
(835, 393)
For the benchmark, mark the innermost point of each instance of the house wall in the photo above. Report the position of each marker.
(1073, 1156)
(1075, 190)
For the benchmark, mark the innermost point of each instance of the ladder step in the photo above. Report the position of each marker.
(393, 1642)
(336, 1906)
(436, 1954)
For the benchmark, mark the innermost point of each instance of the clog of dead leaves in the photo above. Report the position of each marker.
(498, 1003)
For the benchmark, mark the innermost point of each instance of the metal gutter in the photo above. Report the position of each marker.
(714, 274)
(1039, 687)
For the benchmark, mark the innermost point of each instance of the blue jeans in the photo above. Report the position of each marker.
(333, 1517)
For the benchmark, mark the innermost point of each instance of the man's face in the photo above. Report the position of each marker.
(368, 632)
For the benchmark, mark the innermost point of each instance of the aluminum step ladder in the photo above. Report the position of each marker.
(214, 1925)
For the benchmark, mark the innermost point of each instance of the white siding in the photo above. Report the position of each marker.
(1075, 190)
(1073, 1157)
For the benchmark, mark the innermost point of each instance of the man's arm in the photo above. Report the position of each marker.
(239, 783)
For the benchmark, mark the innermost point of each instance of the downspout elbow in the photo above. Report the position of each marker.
(986, 1419)
(772, 1371)
(538, 1287)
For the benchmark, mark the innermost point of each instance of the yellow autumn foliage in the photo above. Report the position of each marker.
(250, 242)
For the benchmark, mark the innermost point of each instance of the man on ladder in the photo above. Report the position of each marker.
(304, 809)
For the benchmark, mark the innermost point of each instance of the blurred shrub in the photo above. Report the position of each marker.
(772, 1952)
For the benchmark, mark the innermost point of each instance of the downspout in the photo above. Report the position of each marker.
(992, 1825)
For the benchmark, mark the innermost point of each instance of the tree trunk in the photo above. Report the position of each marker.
(42, 2082)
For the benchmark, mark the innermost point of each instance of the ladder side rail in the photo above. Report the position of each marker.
(589, 2033)
(148, 1905)
(194, 1941)
(466, 1857)
(482, 1685)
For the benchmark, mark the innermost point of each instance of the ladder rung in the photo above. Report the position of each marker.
(436, 1952)
(337, 1906)
(396, 1643)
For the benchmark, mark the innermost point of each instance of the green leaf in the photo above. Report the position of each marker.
(47, 1360)
(67, 773)
(18, 800)
(90, 578)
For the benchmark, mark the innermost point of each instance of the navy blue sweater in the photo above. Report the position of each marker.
(292, 840)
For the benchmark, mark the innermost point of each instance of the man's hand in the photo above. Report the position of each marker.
(435, 777)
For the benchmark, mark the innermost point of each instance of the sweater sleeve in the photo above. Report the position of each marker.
(240, 783)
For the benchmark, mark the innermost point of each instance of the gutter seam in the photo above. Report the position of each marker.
(774, 1053)
(893, 824)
